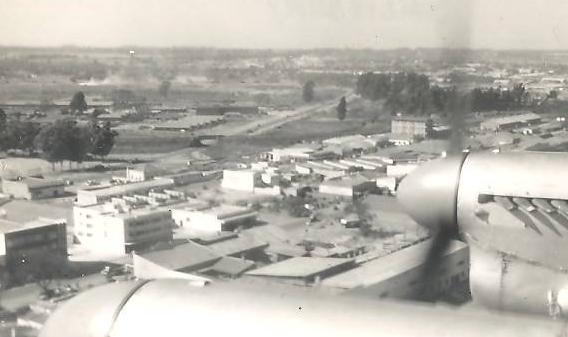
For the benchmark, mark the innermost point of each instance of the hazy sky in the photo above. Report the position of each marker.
(522, 24)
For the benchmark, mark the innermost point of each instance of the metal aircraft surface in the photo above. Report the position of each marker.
(512, 210)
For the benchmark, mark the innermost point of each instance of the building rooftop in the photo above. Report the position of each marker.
(129, 188)
(241, 244)
(38, 183)
(184, 256)
(231, 266)
(7, 226)
(124, 211)
(349, 181)
(300, 267)
(225, 212)
(345, 139)
(149, 169)
(410, 118)
(523, 117)
(24, 211)
(388, 266)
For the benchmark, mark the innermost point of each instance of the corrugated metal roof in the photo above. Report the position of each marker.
(238, 245)
(386, 267)
(300, 267)
(185, 256)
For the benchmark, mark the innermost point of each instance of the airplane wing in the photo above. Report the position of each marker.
(172, 308)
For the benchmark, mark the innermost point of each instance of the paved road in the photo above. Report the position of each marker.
(298, 114)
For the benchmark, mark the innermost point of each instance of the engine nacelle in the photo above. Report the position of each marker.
(512, 209)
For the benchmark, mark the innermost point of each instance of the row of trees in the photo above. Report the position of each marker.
(62, 140)
(412, 93)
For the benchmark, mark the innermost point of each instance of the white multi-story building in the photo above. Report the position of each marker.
(241, 180)
(116, 228)
(99, 195)
(205, 219)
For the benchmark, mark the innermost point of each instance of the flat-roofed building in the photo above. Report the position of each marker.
(400, 274)
(510, 122)
(242, 246)
(144, 172)
(401, 139)
(299, 153)
(187, 261)
(302, 270)
(205, 219)
(99, 195)
(221, 109)
(241, 180)
(349, 187)
(387, 184)
(26, 247)
(411, 126)
(185, 258)
(116, 228)
(33, 188)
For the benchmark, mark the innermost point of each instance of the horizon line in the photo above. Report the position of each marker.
(345, 48)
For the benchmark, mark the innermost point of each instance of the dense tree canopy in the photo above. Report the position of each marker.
(78, 103)
(102, 139)
(412, 93)
(66, 140)
(18, 135)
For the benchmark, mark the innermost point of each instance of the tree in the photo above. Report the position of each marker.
(296, 207)
(64, 140)
(19, 135)
(308, 91)
(102, 139)
(78, 103)
(342, 109)
(164, 88)
(3, 120)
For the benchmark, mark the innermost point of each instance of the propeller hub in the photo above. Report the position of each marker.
(429, 194)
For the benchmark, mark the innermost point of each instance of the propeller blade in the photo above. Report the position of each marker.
(442, 239)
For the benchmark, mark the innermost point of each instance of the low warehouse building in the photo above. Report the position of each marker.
(510, 122)
(348, 187)
(400, 274)
(212, 219)
(302, 270)
(33, 188)
(144, 172)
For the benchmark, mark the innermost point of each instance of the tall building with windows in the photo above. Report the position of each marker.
(118, 227)
(27, 247)
(411, 126)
